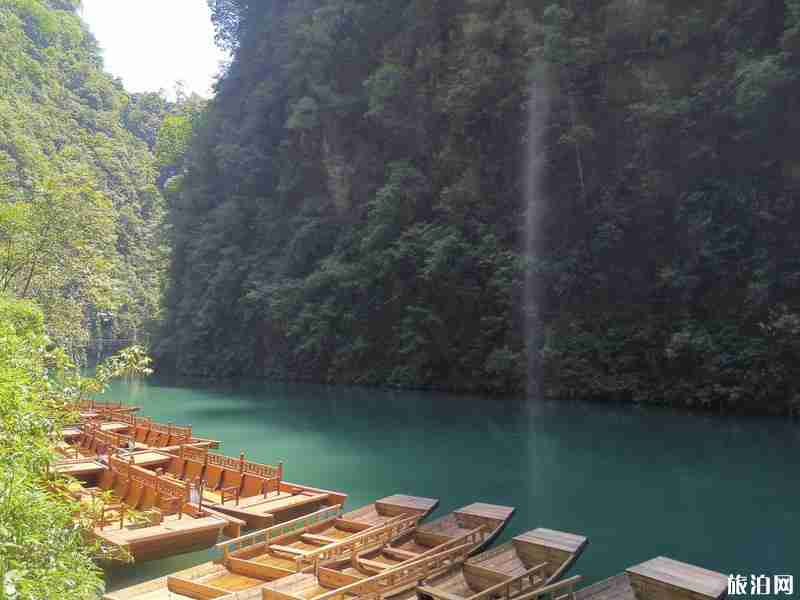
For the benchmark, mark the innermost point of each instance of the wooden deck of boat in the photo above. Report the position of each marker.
(170, 526)
(334, 532)
(613, 588)
(412, 503)
(411, 546)
(389, 507)
(559, 540)
(259, 505)
(505, 560)
(74, 431)
(675, 574)
(279, 562)
(447, 525)
(299, 585)
(83, 468)
(234, 582)
(488, 511)
(468, 518)
(451, 582)
(150, 458)
(157, 589)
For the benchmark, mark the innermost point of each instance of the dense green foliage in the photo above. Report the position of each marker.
(42, 553)
(353, 201)
(80, 211)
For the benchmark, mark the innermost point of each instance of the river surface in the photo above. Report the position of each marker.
(720, 492)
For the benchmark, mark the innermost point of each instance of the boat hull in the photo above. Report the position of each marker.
(164, 544)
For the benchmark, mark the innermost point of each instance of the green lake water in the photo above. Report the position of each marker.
(720, 492)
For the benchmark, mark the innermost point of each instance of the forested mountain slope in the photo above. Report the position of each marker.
(353, 202)
(80, 212)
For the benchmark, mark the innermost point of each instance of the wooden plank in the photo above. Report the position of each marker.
(257, 570)
(617, 587)
(287, 549)
(436, 593)
(400, 553)
(373, 563)
(312, 537)
(335, 579)
(488, 511)
(193, 589)
(400, 503)
(682, 575)
(550, 538)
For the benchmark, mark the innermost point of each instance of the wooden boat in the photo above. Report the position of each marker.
(658, 579)
(390, 507)
(119, 431)
(529, 561)
(346, 539)
(91, 409)
(240, 571)
(491, 517)
(462, 531)
(333, 582)
(253, 492)
(477, 524)
(146, 516)
(406, 512)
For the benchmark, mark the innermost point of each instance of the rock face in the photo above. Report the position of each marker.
(370, 217)
(339, 171)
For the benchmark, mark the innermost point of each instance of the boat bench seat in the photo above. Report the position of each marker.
(287, 549)
(321, 539)
(399, 553)
(374, 564)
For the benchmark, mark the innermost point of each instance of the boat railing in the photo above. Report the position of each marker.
(372, 588)
(373, 537)
(473, 538)
(165, 487)
(265, 536)
(108, 439)
(202, 455)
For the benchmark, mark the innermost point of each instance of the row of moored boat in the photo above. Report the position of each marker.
(154, 491)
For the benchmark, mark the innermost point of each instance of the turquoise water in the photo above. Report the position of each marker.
(720, 492)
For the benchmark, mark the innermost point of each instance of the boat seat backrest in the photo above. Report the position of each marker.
(192, 471)
(141, 434)
(175, 467)
(134, 496)
(152, 436)
(231, 479)
(212, 477)
(148, 499)
(120, 487)
(160, 440)
(252, 485)
(106, 479)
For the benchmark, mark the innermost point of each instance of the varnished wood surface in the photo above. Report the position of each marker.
(550, 538)
(681, 575)
(613, 588)
(488, 511)
(80, 469)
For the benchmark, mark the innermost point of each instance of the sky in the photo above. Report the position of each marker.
(151, 44)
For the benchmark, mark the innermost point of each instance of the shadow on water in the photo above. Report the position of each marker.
(640, 482)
